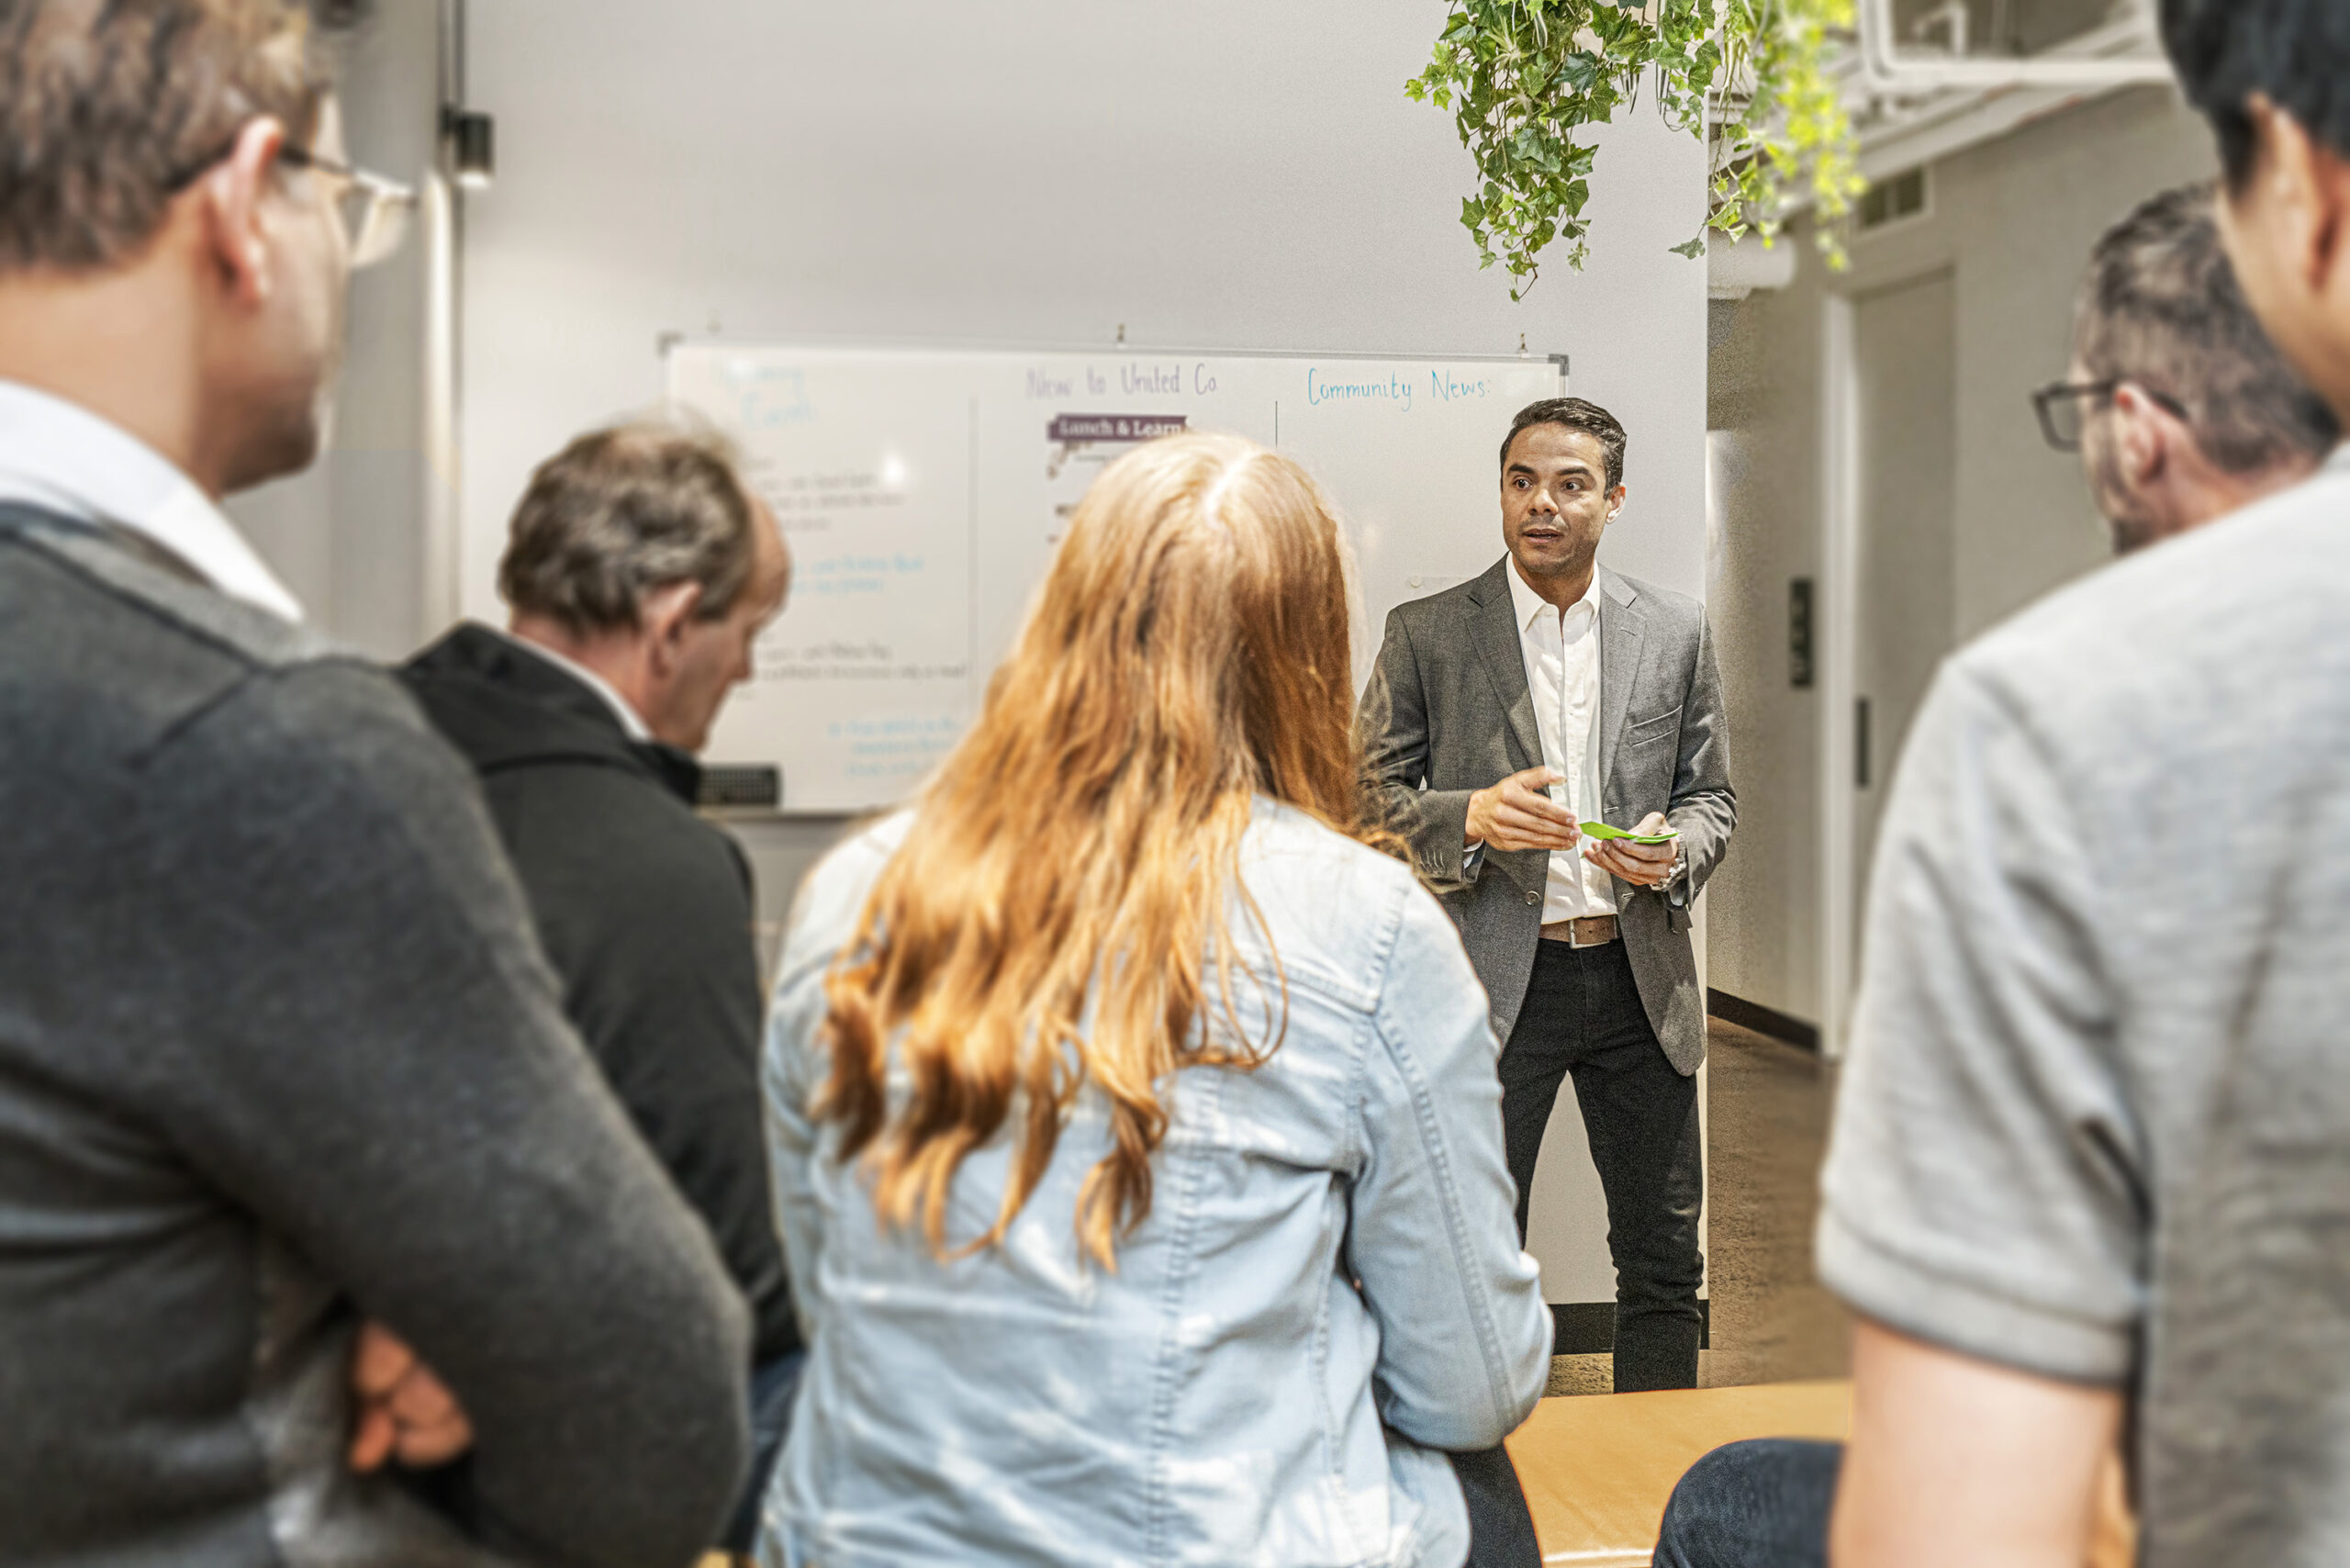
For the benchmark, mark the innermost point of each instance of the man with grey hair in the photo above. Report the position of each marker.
(640, 570)
(2181, 408)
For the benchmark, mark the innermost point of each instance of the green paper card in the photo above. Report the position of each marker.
(1601, 830)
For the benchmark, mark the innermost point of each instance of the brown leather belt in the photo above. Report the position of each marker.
(1596, 931)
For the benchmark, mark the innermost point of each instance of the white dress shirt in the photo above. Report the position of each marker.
(1562, 653)
(62, 457)
(625, 711)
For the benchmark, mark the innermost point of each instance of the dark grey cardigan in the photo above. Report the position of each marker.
(277, 1048)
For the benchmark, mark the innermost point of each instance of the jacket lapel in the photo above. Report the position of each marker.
(1622, 629)
(1495, 631)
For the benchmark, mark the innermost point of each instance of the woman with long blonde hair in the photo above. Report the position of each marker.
(1134, 1118)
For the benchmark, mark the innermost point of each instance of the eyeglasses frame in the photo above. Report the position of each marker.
(385, 195)
(2044, 400)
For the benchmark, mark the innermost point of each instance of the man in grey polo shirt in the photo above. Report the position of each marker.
(277, 1049)
(2091, 1177)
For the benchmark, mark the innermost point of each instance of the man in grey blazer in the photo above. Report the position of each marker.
(1547, 693)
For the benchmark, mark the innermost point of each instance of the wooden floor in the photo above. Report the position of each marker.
(1767, 1109)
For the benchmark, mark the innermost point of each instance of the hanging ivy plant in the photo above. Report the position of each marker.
(1525, 78)
(1789, 135)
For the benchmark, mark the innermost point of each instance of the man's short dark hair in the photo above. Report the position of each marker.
(1576, 414)
(109, 107)
(2161, 306)
(2296, 51)
(623, 512)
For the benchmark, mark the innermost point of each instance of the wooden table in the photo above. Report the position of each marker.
(1598, 1469)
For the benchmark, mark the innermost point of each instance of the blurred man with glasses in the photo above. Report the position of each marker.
(2181, 408)
(278, 1053)
(2183, 412)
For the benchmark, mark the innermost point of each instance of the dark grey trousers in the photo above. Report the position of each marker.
(1583, 1017)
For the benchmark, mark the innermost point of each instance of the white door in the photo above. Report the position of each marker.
(1904, 609)
(1889, 612)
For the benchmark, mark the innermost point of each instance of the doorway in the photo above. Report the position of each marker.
(1906, 613)
(1892, 612)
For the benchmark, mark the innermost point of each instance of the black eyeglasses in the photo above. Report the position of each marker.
(2060, 407)
(374, 210)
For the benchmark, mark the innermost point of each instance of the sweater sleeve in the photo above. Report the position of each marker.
(365, 1049)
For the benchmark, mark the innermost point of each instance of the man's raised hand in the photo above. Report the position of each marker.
(1518, 814)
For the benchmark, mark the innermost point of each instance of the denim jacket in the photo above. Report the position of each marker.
(1327, 1290)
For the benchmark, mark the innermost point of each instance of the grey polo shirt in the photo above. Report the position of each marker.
(2097, 1121)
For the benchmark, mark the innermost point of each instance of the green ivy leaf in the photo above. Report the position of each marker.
(1525, 79)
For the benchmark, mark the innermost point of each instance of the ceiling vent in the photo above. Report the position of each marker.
(1911, 46)
(1992, 29)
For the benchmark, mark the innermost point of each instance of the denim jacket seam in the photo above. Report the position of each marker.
(1157, 1506)
(1383, 958)
(1386, 934)
(1456, 1228)
(1332, 1466)
(1301, 974)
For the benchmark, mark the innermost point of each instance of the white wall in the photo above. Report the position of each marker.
(2014, 220)
(351, 537)
(1227, 174)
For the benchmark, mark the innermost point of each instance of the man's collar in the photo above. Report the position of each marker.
(56, 454)
(1528, 604)
(631, 721)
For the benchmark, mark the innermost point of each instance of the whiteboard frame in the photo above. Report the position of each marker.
(667, 341)
(844, 342)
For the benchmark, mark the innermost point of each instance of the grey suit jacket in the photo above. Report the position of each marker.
(1448, 712)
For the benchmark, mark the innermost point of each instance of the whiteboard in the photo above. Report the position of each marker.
(922, 494)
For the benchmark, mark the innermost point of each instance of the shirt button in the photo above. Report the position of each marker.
(1533, 898)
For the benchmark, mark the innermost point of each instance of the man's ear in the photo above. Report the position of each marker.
(2146, 434)
(235, 235)
(1615, 501)
(2307, 189)
(2330, 247)
(665, 615)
